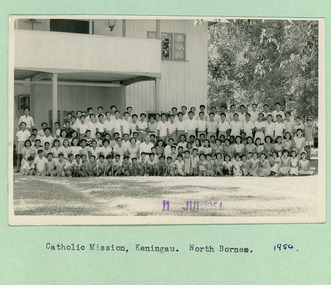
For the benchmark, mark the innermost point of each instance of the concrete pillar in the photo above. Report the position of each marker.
(157, 98)
(54, 98)
(157, 95)
(158, 29)
(123, 99)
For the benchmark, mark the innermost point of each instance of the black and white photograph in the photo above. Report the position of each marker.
(166, 120)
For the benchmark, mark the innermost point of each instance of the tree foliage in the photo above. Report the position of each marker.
(264, 61)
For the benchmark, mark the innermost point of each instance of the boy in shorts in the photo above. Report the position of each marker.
(40, 162)
(50, 165)
(59, 166)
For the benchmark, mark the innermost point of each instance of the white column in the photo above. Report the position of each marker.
(157, 98)
(54, 99)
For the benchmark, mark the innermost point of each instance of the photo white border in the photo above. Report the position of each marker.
(167, 220)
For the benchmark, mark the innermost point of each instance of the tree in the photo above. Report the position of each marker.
(264, 61)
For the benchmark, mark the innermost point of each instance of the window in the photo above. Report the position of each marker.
(69, 26)
(166, 45)
(179, 47)
(173, 46)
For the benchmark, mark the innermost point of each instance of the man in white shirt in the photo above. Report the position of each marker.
(81, 126)
(181, 126)
(174, 113)
(203, 110)
(100, 112)
(184, 112)
(277, 112)
(279, 127)
(162, 128)
(248, 126)
(125, 126)
(146, 146)
(223, 126)
(259, 128)
(254, 113)
(89, 112)
(108, 124)
(172, 128)
(129, 110)
(211, 126)
(225, 111)
(202, 124)
(270, 127)
(113, 109)
(142, 127)
(91, 125)
(195, 113)
(117, 123)
(99, 125)
(235, 126)
(47, 137)
(191, 126)
(217, 117)
(167, 149)
(133, 125)
(289, 124)
(27, 119)
(41, 132)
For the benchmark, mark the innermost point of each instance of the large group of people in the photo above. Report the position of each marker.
(222, 142)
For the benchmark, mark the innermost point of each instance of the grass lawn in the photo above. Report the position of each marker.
(143, 196)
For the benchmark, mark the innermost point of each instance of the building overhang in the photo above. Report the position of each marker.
(82, 59)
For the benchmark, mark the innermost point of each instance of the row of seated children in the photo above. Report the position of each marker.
(252, 164)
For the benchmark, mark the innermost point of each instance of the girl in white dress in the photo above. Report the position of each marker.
(276, 160)
(265, 166)
(294, 163)
(238, 146)
(237, 163)
(284, 168)
(65, 149)
(304, 166)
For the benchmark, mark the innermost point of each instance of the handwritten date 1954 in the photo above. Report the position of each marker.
(283, 247)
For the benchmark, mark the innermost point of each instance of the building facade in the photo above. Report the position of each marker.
(151, 65)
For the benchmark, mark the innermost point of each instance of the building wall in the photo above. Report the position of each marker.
(139, 28)
(69, 98)
(182, 82)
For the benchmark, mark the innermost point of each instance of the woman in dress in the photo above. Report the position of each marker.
(133, 149)
(285, 167)
(238, 146)
(294, 163)
(250, 146)
(265, 166)
(268, 146)
(278, 146)
(287, 142)
(276, 164)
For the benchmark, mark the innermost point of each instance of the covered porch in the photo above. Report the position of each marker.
(64, 72)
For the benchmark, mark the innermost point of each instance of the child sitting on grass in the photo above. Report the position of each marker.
(28, 167)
